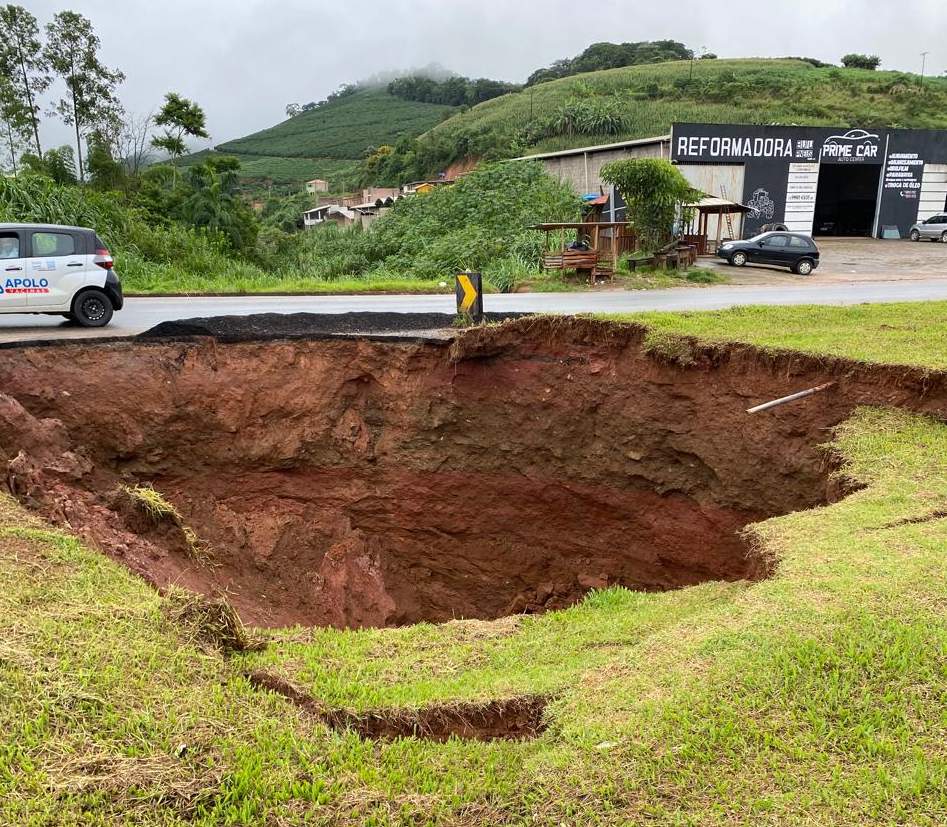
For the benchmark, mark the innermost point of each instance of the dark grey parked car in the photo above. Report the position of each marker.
(793, 250)
(935, 228)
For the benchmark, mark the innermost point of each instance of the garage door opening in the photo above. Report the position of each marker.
(846, 199)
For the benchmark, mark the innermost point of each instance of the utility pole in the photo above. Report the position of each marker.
(923, 65)
(703, 51)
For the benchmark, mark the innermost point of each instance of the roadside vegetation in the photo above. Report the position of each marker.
(188, 231)
(815, 696)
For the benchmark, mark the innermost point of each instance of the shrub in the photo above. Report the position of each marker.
(654, 190)
(857, 61)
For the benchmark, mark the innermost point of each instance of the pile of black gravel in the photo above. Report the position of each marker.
(307, 325)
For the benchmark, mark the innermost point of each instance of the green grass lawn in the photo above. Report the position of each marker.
(909, 333)
(261, 283)
(817, 696)
(223, 275)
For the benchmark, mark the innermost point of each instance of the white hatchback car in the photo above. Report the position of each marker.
(55, 270)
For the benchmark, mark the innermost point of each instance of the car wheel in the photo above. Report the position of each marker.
(738, 259)
(803, 267)
(915, 235)
(92, 308)
(943, 236)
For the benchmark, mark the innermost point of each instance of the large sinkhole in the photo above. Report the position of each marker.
(356, 482)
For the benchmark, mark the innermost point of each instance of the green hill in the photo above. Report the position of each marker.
(328, 142)
(642, 101)
(594, 107)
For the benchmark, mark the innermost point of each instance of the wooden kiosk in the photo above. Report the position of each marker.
(605, 241)
(724, 210)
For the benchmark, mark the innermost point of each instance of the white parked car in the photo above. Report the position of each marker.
(55, 270)
(935, 228)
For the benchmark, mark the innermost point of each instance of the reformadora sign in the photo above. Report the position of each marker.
(717, 147)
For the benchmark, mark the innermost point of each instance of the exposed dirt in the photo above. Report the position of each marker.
(353, 482)
(515, 718)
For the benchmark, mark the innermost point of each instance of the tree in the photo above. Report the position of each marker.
(857, 61)
(58, 164)
(25, 68)
(105, 172)
(181, 118)
(213, 203)
(612, 55)
(72, 52)
(16, 131)
(292, 110)
(132, 143)
(654, 191)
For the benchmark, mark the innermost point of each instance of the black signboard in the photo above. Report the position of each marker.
(782, 166)
(735, 143)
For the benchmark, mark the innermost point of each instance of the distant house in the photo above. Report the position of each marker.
(362, 214)
(370, 195)
(317, 185)
(421, 187)
(317, 215)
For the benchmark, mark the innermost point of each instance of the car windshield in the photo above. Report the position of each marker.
(760, 237)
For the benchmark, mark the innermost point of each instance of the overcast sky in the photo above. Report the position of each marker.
(244, 60)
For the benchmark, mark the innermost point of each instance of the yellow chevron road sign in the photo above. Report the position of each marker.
(469, 292)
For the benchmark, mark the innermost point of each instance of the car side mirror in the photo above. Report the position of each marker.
(759, 243)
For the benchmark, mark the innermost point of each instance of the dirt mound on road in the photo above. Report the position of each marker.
(352, 482)
(267, 326)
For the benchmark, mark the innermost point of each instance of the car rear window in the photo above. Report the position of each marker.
(799, 242)
(9, 245)
(53, 244)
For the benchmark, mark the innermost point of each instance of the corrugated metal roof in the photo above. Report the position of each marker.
(716, 203)
(597, 148)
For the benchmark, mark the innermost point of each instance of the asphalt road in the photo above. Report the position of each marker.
(140, 314)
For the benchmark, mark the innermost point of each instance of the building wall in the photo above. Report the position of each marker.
(933, 198)
(370, 195)
(374, 193)
(718, 181)
(581, 170)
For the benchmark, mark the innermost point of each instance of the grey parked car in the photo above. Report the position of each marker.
(935, 228)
